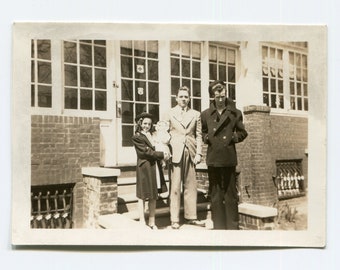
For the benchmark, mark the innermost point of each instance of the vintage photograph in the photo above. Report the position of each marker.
(169, 134)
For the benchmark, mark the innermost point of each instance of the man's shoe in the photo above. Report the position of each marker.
(175, 225)
(195, 222)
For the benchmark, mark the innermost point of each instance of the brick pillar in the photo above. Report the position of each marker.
(258, 165)
(97, 195)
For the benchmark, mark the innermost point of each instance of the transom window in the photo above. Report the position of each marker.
(41, 73)
(85, 75)
(222, 66)
(139, 83)
(186, 70)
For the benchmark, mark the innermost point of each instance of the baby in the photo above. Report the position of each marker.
(162, 138)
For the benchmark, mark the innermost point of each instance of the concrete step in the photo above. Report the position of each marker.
(127, 185)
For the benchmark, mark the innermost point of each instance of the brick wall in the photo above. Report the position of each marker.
(61, 146)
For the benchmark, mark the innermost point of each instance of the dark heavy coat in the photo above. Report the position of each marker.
(221, 132)
(147, 160)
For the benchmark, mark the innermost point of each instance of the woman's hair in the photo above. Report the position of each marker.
(139, 125)
(183, 88)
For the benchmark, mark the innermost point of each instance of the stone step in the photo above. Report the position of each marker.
(127, 185)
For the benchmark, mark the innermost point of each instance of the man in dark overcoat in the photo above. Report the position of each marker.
(222, 128)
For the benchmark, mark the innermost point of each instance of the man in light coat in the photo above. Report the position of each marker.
(186, 145)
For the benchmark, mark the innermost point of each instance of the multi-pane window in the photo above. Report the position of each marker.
(41, 73)
(186, 70)
(284, 77)
(298, 86)
(222, 66)
(85, 75)
(272, 77)
(139, 83)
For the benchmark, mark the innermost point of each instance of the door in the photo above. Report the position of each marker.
(138, 91)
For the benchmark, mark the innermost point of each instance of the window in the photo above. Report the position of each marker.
(41, 73)
(85, 75)
(284, 78)
(222, 66)
(185, 59)
(139, 83)
(298, 81)
(272, 77)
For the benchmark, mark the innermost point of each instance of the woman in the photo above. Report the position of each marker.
(148, 169)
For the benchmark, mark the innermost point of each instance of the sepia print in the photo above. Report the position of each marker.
(78, 89)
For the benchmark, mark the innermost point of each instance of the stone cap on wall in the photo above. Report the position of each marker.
(257, 210)
(256, 108)
(100, 171)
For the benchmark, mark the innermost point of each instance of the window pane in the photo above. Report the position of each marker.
(185, 68)
(44, 72)
(32, 71)
(265, 84)
(231, 57)
(32, 95)
(279, 54)
(196, 104)
(175, 84)
(298, 89)
(298, 74)
(139, 48)
(292, 103)
(100, 100)
(212, 53)
(153, 92)
(292, 88)
(222, 73)
(70, 52)
(196, 51)
(174, 48)
(272, 86)
(153, 49)
(273, 101)
(231, 91)
(231, 74)
(185, 49)
(305, 90)
(175, 66)
(196, 69)
(173, 101)
(85, 41)
(281, 104)
(266, 99)
(127, 112)
(71, 98)
(304, 75)
(186, 82)
(222, 55)
(85, 77)
(126, 67)
(127, 133)
(71, 78)
(299, 103)
(44, 49)
(140, 91)
(100, 56)
(291, 58)
(32, 48)
(305, 100)
(154, 110)
(280, 86)
(264, 53)
(212, 72)
(85, 54)
(304, 61)
(86, 99)
(140, 108)
(100, 78)
(140, 68)
(44, 96)
(196, 88)
(153, 70)
(126, 47)
(127, 90)
(100, 42)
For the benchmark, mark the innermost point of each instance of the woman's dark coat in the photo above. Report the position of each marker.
(147, 160)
